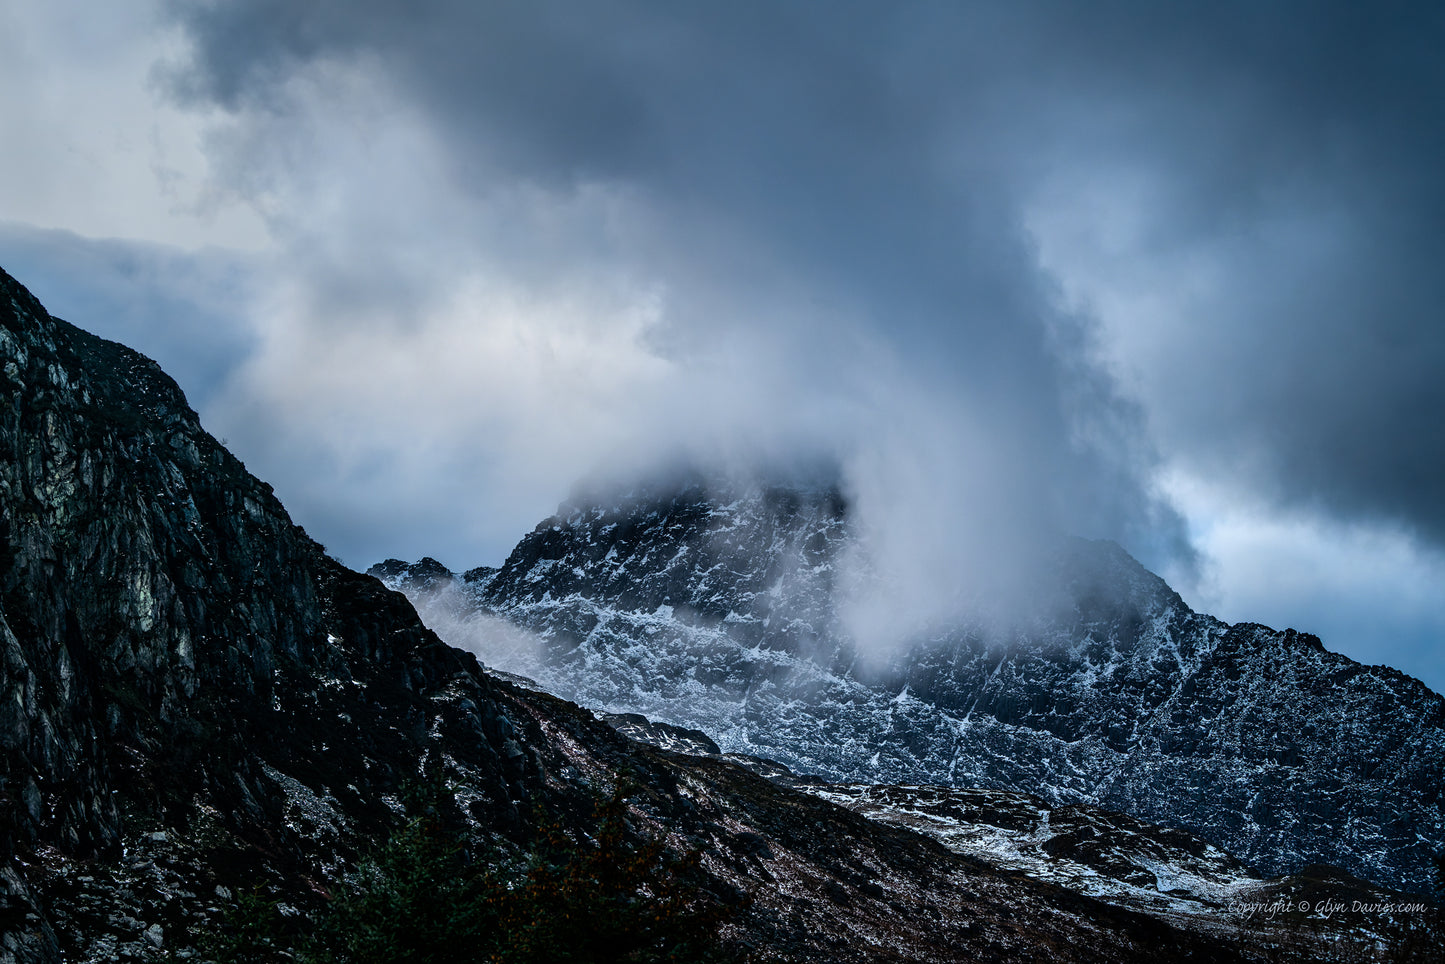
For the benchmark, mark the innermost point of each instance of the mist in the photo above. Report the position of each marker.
(499, 644)
(700, 250)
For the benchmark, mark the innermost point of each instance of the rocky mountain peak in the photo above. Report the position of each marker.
(720, 609)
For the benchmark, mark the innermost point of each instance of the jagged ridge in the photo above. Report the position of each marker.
(714, 604)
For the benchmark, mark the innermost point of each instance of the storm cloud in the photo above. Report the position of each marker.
(798, 205)
(1161, 273)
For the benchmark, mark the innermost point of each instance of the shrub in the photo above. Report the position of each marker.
(424, 898)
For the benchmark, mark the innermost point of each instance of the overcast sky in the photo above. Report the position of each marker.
(1163, 273)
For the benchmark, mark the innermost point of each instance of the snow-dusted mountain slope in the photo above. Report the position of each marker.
(715, 605)
(1321, 913)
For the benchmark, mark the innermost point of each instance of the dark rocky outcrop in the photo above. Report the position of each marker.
(179, 657)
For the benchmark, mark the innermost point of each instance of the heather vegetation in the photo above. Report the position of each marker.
(427, 897)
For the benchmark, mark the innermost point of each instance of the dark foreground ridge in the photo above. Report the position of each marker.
(198, 704)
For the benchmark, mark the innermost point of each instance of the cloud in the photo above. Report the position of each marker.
(806, 226)
(1004, 262)
(187, 310)
(1256, 224)
(88, 148)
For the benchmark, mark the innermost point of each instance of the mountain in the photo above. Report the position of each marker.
(716, 604)
(198, 704)
(194, 695)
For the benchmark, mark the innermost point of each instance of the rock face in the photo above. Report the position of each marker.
(179, 656)
(715, 605)
(197, 701)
